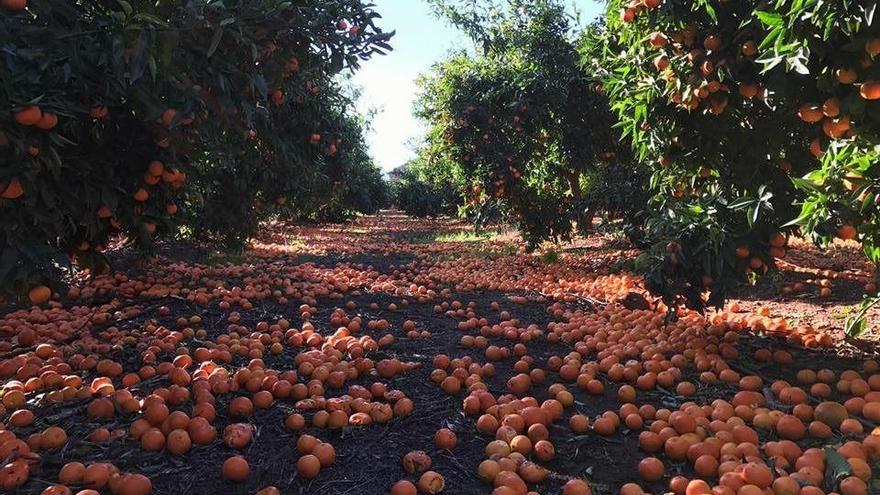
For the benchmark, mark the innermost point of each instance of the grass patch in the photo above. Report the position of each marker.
(478, 252)
(236, 258)
(416, 237)
(550, 256)
(466, 236)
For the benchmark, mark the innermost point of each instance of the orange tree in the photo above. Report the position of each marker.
(308, 161)
(118, 115)
(349, 182)
(519, 124)
(829, 52)
(712, 95)
(422, 190)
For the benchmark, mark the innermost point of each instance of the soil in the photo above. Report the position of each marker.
(369, 458)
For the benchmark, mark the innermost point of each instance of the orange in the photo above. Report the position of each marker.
(403, 487)
(39, 294)
(235, 468)
(134, 484)
(28, 115)
(576, 487)
(870, 90)
(14, 5)
(308, 466)
(847, 232)
(810, 113)
(846, 75)
(853, 486)
(47, 121)
(831, 413)
(11, 189)
(698, 487)
(445, 439)
(651, 469)
(431, 482)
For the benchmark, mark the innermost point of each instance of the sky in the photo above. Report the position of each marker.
(389, 82)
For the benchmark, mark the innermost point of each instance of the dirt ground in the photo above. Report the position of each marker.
(391, 254)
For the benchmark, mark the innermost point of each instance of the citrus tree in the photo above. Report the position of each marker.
(120, 116)
(829, 53)
(731, 103)
(422, 190)
(519, 123)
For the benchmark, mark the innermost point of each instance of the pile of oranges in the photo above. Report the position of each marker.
(169, 380)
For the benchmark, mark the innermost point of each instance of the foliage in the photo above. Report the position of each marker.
(420, 193)
(856, 325)
(120, 114)
(520, 125)
(725, 100)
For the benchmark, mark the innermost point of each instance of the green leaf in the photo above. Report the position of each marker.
(802, 219)
(126, 7)
(838, 467)
(711, 12)
(855, 326)
(215, 41)
(150, 18)
(753, 212)
(872, 252)
(770, 18)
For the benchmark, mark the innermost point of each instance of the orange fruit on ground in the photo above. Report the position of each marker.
(790, 427)
(235, 468)
(432, 482)
(785, 485)
(698, 487)
(831, 413)
(153, 440)
(306, 443)
(134, 484)
(71, 473)
(325, 453)
(21, 418)
(488, 470)
(576, 487)
(416, 461)
(178, 442)
(853, 486)
(56, 490)
(97, 475)
(53, 438)
(403, 487)
(757, 474)
(308, 466)
(651, 469)
(445, 439)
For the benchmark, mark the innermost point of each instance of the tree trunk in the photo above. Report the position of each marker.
(584, 219)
